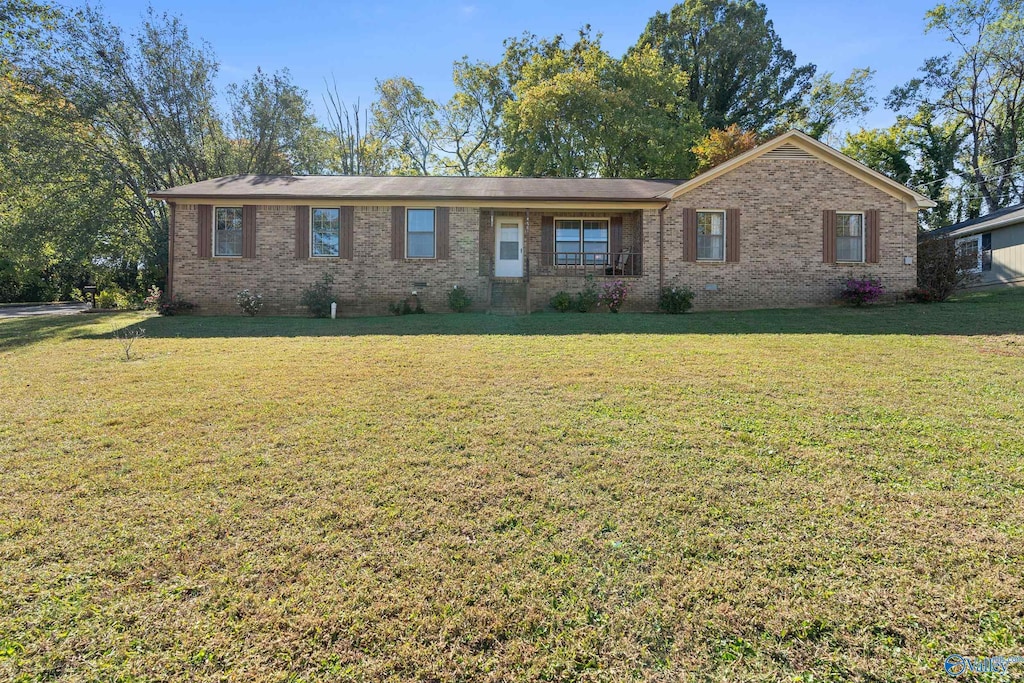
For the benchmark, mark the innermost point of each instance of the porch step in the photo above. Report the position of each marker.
(508, 297)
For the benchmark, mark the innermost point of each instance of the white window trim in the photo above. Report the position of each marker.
(725, 235)
(311, 254)
(977, 240)
(863, 234)
(433, 233)
(213, 235)
(608, 244)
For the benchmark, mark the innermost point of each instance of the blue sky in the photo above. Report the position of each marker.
(359, 42)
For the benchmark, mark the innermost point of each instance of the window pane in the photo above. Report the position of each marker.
(848, 248)
(228, 235)
(420, 237)
(567, 235)
(710, 247)
(508, 251)
(849, 224)
(421, 220)
(849, 237)
(326, 231)
(421, 245)
(710, 223)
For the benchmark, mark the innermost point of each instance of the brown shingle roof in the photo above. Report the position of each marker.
(430, 187)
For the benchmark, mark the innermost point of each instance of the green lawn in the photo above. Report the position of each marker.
(808, 495)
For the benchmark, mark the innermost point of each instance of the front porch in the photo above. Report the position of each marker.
(525, 244)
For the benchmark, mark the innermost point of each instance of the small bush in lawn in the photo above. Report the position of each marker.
(921, 295)
(113, 297)
(318, 297)
(587, 299)
(860, 292)
(127, 337)
(562, 302)
(613, 295)
(174, 305)
(942, 268)
(407, 306)
(153, 298)
(251, 303)
(675, 300)
(458, 300)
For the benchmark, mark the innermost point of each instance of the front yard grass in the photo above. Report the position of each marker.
(819, 494)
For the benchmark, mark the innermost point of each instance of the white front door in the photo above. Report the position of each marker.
(508, 247)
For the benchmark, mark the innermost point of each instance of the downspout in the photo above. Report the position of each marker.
(170, 250)
(661, 249)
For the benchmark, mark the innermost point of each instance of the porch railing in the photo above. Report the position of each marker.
(581, 264)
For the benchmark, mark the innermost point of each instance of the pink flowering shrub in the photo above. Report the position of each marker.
(860, 292)
(613, 295)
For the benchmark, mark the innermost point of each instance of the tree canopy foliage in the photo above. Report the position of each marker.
(93, 117)
(739, 72)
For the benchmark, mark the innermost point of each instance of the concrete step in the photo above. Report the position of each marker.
(508, 297)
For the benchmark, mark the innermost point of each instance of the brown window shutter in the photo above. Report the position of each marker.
(732, 235)
(301, 232)
(615, 235)
(828, 236)
(248, 231)
(547, 240)
(441, 220)
(204, 240)
(346, 225)
(690, 233)
(397, 232)
(486, 245)
(871, 235)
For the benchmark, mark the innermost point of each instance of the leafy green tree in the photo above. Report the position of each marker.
(739, 72)
(136, 115)
(719, 146)
(921, 152)
(405, 119)
(469, 122)
(830, 102)
(979, 84)
(576, 111)
(273, 130)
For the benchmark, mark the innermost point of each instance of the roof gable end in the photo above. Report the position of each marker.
(797, 146)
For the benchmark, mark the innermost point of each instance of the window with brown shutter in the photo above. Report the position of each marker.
(828, 236)
(204, 240)
(347, 237)
(871, 235)
(397, 232)
(689, 234)
(248, 231)
(302, 232)
(615, 236)
(547, 240)
(441, 221)
(732, 235)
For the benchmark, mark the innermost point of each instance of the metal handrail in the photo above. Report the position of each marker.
(581, 264)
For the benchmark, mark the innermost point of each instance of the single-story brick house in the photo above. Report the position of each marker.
(996, 243)
(784, 224)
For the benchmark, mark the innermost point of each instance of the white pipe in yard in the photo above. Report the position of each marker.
(334, 310)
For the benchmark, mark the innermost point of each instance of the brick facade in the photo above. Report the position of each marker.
(781, 203)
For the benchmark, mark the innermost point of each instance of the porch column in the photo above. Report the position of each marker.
(526, 260)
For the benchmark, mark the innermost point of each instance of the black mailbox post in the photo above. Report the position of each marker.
(90, 291)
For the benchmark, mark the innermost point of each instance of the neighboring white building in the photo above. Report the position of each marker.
(997, 242)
